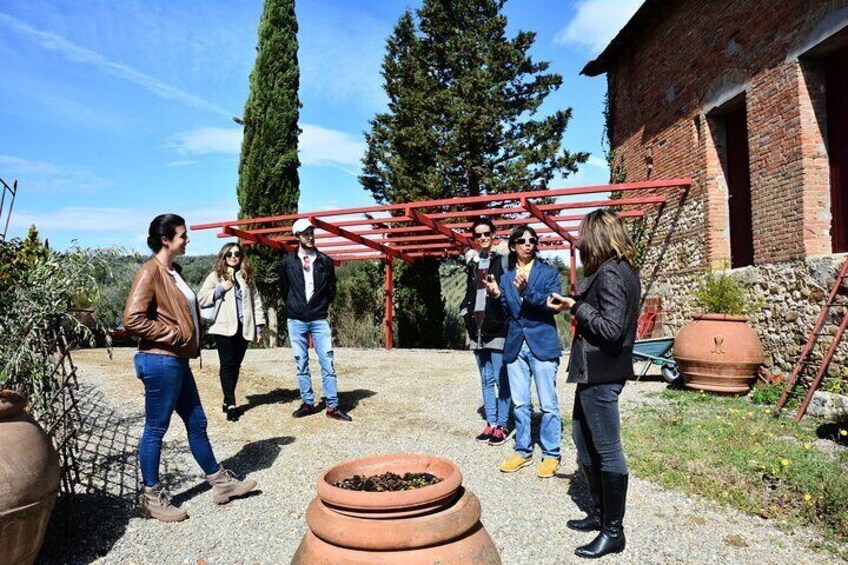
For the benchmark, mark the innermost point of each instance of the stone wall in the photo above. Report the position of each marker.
(788, 298)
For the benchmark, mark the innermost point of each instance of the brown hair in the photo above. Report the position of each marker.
(221, 267)
(602, 237)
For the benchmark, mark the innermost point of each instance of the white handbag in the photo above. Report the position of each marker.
(210, 313)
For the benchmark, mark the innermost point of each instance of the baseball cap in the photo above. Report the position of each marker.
(301, 225)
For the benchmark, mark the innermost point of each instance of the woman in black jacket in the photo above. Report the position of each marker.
(487, 326)
(606, 308)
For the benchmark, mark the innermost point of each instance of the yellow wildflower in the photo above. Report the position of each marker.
(808, 445)
(843, 432)
(785, 462)
(807, 497)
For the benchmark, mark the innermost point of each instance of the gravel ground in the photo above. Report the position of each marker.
(401, 401)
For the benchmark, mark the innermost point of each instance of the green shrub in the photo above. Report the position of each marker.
(357, 313)
(722, 293)
(767, 394)
(38, 287)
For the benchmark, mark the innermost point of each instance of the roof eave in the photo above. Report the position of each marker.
(634, 26)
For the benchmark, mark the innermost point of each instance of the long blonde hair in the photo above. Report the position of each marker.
(604, 236)
(221, 268)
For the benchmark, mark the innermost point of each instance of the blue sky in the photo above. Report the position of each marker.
(113, 111)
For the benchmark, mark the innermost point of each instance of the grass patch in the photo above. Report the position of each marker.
(734, 452)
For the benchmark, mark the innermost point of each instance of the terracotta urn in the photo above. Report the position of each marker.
(29, 482)
(439, 523)
(718, 353)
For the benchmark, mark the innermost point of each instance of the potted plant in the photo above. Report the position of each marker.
(402, 509)
(718, 351)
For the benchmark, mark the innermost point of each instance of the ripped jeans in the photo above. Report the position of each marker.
(322, 341)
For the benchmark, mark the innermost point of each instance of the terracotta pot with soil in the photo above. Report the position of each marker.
(718, 353)
(436, 523)
(29, 482)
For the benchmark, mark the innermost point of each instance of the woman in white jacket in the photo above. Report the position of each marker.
(239, 320)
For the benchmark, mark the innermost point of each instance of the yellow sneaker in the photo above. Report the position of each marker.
(548, 468)
(515, 462)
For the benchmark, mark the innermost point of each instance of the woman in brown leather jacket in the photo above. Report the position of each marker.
(162, 311)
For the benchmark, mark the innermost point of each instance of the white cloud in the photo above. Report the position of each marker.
(16, 166)
(596, 22)
(205, 141)
(322, 146)
(49, 178)
(78, 54)
(182, 163)
(79, 219)
(317, 145)
(340, 54)
(125, 227)
(595, 161)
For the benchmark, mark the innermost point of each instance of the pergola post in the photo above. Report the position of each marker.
(388, 332)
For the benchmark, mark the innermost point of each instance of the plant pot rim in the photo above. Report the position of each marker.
(359, 500)
(721, 317)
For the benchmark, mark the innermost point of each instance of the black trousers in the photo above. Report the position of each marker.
(231, 350)
(596, 427)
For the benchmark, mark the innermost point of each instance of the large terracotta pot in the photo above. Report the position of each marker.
(718, 353)
(435, 524)
(29, 482)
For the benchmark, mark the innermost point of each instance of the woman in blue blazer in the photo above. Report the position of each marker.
(532, 349)
(601, 360)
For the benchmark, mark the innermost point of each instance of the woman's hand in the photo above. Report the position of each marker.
(520, 282)
(227, 285)
(559, 303)
(492, 287)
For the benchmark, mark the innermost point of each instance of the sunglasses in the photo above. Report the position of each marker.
(481, 235)
(523, 240)
(235, 254)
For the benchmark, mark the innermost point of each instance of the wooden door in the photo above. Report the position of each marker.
(836, 76)
(738, 188)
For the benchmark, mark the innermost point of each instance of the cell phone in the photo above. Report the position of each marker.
(555, 300)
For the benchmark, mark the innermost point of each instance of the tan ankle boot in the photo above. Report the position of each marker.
(225, 486)
(156, 503)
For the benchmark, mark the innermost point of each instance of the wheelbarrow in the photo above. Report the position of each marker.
(657, 351)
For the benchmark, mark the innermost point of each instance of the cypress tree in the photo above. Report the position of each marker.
(462, 121)
(268, 177)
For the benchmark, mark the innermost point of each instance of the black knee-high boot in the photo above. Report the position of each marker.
(611, 538)
(592, 521)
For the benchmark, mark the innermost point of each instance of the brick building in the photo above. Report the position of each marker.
(749, 98)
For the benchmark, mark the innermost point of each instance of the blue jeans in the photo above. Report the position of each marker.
(596, 427)
(544, 373)
(492, 374)
(322, 341)
(169, 385)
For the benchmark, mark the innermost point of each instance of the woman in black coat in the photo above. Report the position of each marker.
(487, 327)
(606, 308)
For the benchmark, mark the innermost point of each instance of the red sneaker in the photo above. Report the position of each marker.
(500, 435)
(486, 435)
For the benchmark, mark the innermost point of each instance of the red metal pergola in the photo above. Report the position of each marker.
(439, 228)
